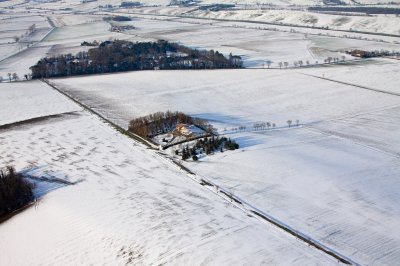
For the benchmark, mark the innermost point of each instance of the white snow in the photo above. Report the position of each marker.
(335, 178)
(131, 207)
(25, 100)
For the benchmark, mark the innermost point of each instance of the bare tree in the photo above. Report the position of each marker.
(9, 76)
(343, 58)
(280, 65)
(269, 62)
(297, 122)
(289, 122)
(15, 76)
(308, 62)
(31, 28)
(1, 79)
(273, 125)
(300, 63)
(268, 125)
(16, 38)
(286, 64)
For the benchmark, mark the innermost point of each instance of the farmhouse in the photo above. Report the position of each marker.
(183, 129)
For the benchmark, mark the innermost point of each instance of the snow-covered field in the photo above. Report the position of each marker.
(25, 100)
(251, 41)
(19, 57)
(375, 24)
(256, 43)
(131, 207)
(17, 26)
(22, 61)
(334, 178)
(295, 2)
(230, 97)
(80, 32)
(255, 46)
(380, 74)
(387, 24)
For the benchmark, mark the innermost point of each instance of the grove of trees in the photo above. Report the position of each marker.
(371, 54)
(117, 55)
(163, 122)
(207, 145)
(15, 192)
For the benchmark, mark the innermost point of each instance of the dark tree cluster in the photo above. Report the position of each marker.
(121, 18)
(117, 18)
(114, 56)
(119, 28)
(126, 4)
(371, 54)
(163, 122)
(357, 9)
(216, 7)
(333, 2)
(15, 192)
(94, 43)
(185, 3)
(208, 145)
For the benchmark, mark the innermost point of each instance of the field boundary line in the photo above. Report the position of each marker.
(35, 120)
(352, 84)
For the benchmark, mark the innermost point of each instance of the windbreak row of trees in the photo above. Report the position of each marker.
(15, 192)
(371, 54)
(163, 122)
(113, 56)
(117, 18)
(357, 9)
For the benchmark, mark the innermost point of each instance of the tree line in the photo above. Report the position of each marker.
(371, 54)
(358, 9)
(118, 55)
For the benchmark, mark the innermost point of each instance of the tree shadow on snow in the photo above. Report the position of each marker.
(223, 119)
(247, 141)
(45, 180)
